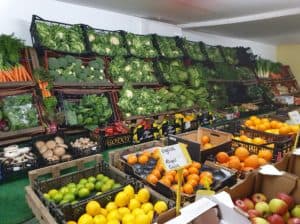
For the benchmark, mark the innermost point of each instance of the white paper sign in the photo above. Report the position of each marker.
(294, 116)
(175, 157)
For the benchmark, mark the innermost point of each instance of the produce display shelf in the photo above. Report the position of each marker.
(263, 80)
(244, 82)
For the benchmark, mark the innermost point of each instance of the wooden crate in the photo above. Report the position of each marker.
(40, 211)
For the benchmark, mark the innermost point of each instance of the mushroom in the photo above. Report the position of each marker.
(62, 145)
(48, 154)
(24, 150)
(51, 144)
(10, 148)
(59, 151)
(43, 149)
(39, 144)
(66, 157)
(59, 140)
(53, 158)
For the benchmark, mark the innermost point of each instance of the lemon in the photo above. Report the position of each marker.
(123, 211)
(114, 214)
(134, 203)
(99, 219)
(111, 206)
(137, 211)
(93, 208)
(103, 211)
(121, 199)
(142, 219)
(147, 207)
(143, 195)
(150, 216)
(129, 190)
(86, 219)
(113, 221)
(71, 222)
(160, 207)
(128, 219)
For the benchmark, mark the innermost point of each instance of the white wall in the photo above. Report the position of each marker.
(16, 17)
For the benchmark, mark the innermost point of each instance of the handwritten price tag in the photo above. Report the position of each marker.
(294, 116)
(175, 157)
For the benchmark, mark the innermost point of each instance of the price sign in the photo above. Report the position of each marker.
(294, 116)
(175, 157)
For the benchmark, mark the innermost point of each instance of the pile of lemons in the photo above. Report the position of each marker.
(127, 208)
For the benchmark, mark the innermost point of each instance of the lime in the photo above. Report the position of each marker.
(58, 197)
(92, 179)
(105, 187)
(98, 185)
(64, 190)
(111, 182)
(72, 190)
(90, 186)
(71, 185)
(78, 186)
(83, 192)
(63, 202)
(98, 193)
(69, 197)
(116, 185)
(74, 202)
(52, 193)
(100, 176)
(46, 196)
(83, 181)
(104, 179)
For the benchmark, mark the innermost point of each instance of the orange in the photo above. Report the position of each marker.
(188, 188)
(261, 161)
(284, 130)
(192, 182)
(176, 178)
(234, 162)
(207, 146)
(252, 161)
(258, 141)
(261, 127)
(222, 157)
(274, 124)
(203, 181)
(196, 165)
(206, 174)
(193, 170)
(267, 125)
(265, 120)
(265, 154)
(165, 181)
(252, 118)
(146, 153)
(170, 177)
(193, 176)
(248, 123)
(175, 186)
(205, 139)
(257, 122)
(243, 138)
(132, 159)
(151, 178)
(160, 167)
(185, 172)
(242, 153)
(143, 159)
(172, 172)
(155, 155)
(156, 173)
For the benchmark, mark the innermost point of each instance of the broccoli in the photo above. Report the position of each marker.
(53, 63)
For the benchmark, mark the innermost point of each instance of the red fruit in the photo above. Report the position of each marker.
(287, 199)
(258, 197)
(253, 213)
(249, 203)
(275, 219)
(240, 204)
(293, 221)
(278, 206)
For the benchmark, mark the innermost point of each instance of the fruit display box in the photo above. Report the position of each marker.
(290, 163)
(217, 140)
(44, 187)
(73, 212)
(41, 212)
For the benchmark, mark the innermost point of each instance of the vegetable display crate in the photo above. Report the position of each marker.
(42, 212)
(73, 212)
(105, 42)
(167, 46)
(140, 46)
(119, 140)
(43, 186)
(219, 141)
(25, 62)
(86, 81)
(16, 157)
(192, 50)
(88, 108)
(136, 71)
(67, 39)
(222, 177)
(21, 114)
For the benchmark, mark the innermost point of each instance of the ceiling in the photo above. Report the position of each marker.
(269, 21)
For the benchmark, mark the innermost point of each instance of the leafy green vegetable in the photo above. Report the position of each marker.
(70, 69)
(20, 112)
(168, 47)
(254, 92)
(106, 43)
(141, 45)
(230, 54)
(218, 96)
(131, 70)
(50, 104)
(90, 112)
(10, 49)
(265, 67)
(230, 72)
(59, 37)
(214, 53)
(173, 71)
(197, 74)
(193, 50)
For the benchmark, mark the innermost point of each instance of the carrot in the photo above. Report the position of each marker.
(9, 77)
(3, 76)
(15, 72)
(26, 74)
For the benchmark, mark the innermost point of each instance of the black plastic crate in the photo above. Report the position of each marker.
(160, 50)
(116, 140)
(37, 43)
(105, 32)
(43, 186)
(73, 212)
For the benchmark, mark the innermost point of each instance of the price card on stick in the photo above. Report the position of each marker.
(176, 157)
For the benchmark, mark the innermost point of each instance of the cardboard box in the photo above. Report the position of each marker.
(290, 163)
(213, 210)
(221, 141)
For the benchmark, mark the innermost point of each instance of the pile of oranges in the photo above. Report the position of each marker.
(205, 142)
(270, 126)
(243, 160)
(143, 158)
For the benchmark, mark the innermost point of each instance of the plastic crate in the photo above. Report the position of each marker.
(157, 45)
(103, 33)
(73, 212)
(39, 45)
(80, 84)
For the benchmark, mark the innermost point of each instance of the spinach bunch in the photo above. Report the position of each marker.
(59, 37)
(131, 70)
(168, 47)
(141, 46)
(174, 71)
(106, 43)
(193, 50)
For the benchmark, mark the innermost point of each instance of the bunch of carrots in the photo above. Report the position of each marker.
(16, 74)
(43, 87)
